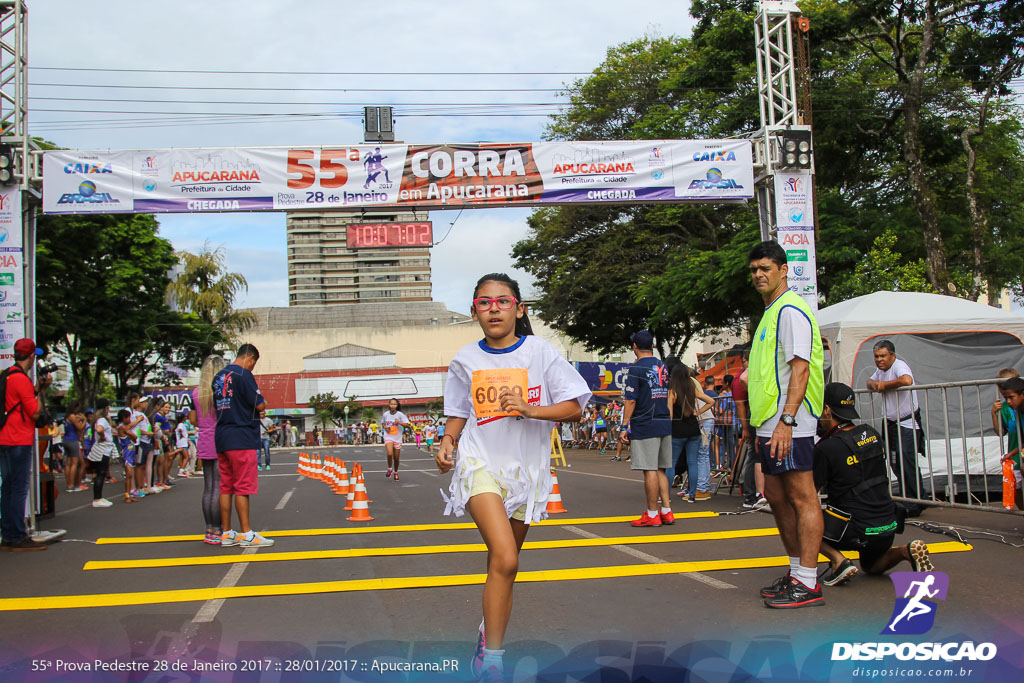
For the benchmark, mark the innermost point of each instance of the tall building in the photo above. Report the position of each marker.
(322, 269)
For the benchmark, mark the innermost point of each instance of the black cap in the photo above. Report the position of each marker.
(643, 339)
(841, 399)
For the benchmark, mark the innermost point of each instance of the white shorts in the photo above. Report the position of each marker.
(393, 439)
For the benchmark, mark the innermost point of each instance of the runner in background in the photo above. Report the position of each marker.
(392, 424)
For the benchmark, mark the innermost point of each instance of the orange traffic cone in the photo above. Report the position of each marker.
(360, 505)
(362, 480)
(329, 474)
(302, 464)
(555, 499)
(343, 477)
(352, 488)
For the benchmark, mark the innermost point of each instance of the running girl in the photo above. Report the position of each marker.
(503, 395)
(392, 423)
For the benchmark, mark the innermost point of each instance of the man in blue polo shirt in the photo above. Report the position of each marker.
(238, 402)
(650, 433)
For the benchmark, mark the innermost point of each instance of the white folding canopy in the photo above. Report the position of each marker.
(847, 325)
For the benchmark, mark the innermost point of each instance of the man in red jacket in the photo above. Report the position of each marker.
(16, 439)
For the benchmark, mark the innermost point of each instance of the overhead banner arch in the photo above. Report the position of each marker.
(396, 176)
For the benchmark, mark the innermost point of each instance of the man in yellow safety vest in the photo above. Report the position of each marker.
(786, 386)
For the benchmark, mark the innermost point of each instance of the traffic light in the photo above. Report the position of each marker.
(7, 165)
(796, 149)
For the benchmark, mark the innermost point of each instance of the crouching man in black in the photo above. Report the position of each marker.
(849, 466)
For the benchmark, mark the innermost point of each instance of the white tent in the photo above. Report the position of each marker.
(943, 339)
(849, 324)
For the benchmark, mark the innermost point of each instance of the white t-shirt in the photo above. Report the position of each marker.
(103, 446)
(794, 341)
(429, 432)
(514, 450)
(391, 425)
(181, 435)
(143, 430)
(898, 403)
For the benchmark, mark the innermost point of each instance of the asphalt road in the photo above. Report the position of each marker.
(402, 594)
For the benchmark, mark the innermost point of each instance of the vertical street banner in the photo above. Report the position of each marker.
(794, 216)
(12, 263)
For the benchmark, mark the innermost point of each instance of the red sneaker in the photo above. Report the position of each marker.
(645, 520)
(667, 517)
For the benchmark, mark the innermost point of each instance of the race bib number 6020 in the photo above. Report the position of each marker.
(490, 385)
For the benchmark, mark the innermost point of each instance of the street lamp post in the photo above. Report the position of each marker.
(346, 424)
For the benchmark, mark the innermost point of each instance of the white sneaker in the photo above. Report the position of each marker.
(154, 489)
(229, 538)
(101, 503)
(254, 540)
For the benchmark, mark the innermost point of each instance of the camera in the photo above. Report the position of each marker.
(43, 369)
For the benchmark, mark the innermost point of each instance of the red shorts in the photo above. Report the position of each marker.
(238, 472)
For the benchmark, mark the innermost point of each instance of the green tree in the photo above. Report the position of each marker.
(882, 269)
(327, 408)
(891, 153)
(204, 287)
(101, 287)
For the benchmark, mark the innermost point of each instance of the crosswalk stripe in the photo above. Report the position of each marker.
(421, 550)
(387, 529)
(393, 583)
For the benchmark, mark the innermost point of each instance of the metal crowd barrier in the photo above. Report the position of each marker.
(961, 465)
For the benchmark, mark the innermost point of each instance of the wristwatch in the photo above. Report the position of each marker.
(788, 420)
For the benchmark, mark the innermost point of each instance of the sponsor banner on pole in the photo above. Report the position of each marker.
(794, 211)
(391, 175)
(12, 308)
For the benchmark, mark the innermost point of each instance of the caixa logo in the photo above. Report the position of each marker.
(914, 614)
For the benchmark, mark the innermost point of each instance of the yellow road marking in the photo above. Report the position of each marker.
(384, 529)
(574, 574)
(421, 550)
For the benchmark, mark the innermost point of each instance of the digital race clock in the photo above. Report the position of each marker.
(391, 235)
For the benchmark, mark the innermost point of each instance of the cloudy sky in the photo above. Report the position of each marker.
(323, 59)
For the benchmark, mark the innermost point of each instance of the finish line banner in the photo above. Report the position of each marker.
(387, 176)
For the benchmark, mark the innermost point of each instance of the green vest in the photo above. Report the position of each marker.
(764, 392)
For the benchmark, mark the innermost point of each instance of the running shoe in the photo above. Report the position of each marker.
(677, 481)
(646, 520)
(136, 493)
(686, 497)
(840, 575)
(667, 517)
(387, 474)
(229, 538)
(101, 503)
(212, 539)
(796, 595)
(493, 673)
(70, 490)
(478, 656)
(154, 489)
(777, 588)
(254, 540)
(396, 476)
(920, 561)
(259, 468)
(83, 487)
(615, 458)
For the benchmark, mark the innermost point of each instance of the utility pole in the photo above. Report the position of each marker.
(20, 195)
(784, 147)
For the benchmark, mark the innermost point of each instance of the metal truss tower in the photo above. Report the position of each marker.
(14, 94)
(778, 97)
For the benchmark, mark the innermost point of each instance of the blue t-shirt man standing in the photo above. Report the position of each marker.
(237, 402)
(650, 433)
